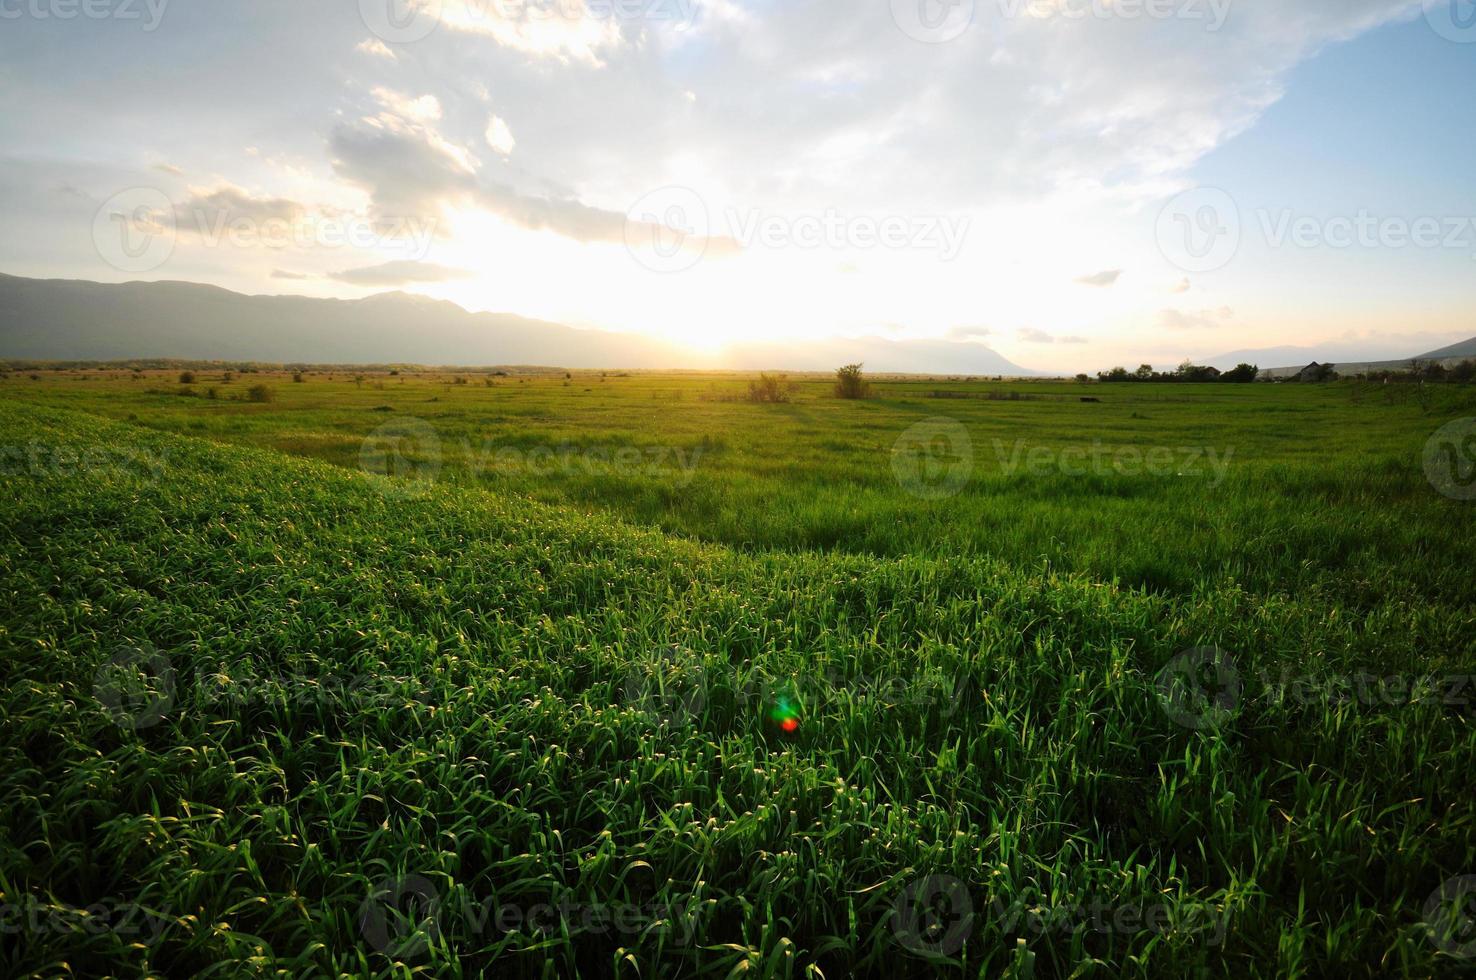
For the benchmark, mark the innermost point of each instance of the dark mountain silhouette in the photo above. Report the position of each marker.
(64, 319)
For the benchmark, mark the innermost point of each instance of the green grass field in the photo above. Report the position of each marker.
(617, 675)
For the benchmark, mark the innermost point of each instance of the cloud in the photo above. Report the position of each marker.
(968, 332)
(409, 169)
(284, 274)
(425, 109)
(169, 168)
(551, 31)
(1194, 319)
(499, 136)
(1181, 287)
(1102, 279)
(211, 212)
(399, 273)
(374, 46)
(1033, 336)
(406, 167)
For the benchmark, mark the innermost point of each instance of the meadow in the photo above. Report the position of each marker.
(622, 674)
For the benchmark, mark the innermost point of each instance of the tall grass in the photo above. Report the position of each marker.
(307, 721)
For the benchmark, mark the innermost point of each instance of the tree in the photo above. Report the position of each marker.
(850, 384)
(1241, 374)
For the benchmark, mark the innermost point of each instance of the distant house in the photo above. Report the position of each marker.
(1316, 372)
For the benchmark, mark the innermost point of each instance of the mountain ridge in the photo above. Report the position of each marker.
(73, 319)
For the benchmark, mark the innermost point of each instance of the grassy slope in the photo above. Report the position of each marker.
(1324, 491)
(522, 750)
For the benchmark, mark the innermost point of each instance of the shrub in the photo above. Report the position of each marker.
(298, 378)
(770, 388)
(187, 377)
(850, 384)
(259, 393)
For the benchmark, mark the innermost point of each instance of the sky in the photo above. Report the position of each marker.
(1074, 183)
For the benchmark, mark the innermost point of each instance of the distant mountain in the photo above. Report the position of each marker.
(1278, 361)
(64, 319)
(57, 319)
(1300, 357)
(1466, 348)
(879, 354)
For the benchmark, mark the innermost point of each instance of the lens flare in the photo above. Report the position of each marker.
(785, 713)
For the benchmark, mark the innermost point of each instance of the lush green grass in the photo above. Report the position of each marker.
(1320, 488)
(504, 703)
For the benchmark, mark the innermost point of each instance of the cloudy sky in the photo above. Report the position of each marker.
(1076, 183)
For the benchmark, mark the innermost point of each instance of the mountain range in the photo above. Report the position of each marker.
(64, 319)
(74, 320)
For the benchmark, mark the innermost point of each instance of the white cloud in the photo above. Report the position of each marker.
(426, 108)
(562, 30)
(1195, 319)
(499, 136)
(1101, 280)
(374, 46)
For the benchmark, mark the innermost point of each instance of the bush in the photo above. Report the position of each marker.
(770, 388)
(850, 384)
(187, 377)
(259, 393)
(298, 378)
